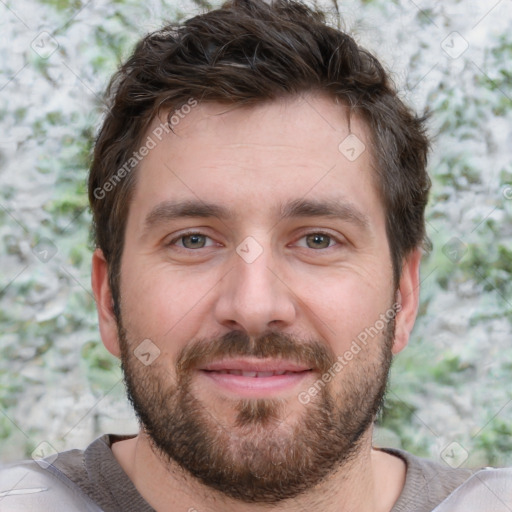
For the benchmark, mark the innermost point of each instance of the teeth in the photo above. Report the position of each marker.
(265, 374)
(255, 374)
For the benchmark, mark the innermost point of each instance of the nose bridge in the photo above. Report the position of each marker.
(254, 298)
(254, 278)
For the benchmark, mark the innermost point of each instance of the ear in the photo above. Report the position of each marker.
(104, 303)
(408, 295)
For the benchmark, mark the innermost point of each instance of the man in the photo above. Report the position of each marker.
(258, 193)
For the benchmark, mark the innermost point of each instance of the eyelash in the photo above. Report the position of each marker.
(322, 233)
(191, 233)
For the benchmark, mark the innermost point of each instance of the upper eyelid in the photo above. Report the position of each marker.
(319, 232)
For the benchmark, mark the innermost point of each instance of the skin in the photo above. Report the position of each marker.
(255, 159)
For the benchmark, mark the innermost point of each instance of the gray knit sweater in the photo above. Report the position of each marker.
(92, 480)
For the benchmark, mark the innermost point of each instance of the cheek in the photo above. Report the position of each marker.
(163, 305)
(344, 307)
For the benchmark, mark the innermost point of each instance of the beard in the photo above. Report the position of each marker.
(252, 453)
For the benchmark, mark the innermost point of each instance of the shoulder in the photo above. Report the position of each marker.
(435, 487)
(427, 483)
(87, 481)
(40, 485)
(489, 489)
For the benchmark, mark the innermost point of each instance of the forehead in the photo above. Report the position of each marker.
(259, 157)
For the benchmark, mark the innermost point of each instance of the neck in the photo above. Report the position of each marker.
(370, 482)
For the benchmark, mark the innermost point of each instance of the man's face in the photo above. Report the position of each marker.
(238, 267)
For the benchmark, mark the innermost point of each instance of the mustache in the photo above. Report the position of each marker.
(271, 344)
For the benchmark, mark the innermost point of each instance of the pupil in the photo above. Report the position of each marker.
(319, 240)
(193, 240)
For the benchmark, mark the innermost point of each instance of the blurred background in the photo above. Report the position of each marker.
(450, 396)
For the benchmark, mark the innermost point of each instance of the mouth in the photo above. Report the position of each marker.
(255, 378)
(256, 374)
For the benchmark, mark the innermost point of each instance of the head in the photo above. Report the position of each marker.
(258, 193)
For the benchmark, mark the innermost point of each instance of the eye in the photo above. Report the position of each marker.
(318, 241)
(192, 241)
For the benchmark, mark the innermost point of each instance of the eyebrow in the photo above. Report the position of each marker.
(172, 210)
(325, 208)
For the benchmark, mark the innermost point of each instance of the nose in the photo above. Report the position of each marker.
(254, 297)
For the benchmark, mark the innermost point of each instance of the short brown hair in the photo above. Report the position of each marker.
(251, 51)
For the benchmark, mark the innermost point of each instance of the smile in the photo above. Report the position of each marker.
(255, 378)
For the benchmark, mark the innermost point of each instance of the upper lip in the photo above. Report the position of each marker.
(256, 365)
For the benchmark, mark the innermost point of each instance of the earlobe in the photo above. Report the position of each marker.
(408, 297)
(104, 304)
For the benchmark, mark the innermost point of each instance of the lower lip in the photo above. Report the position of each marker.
(253, 387)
